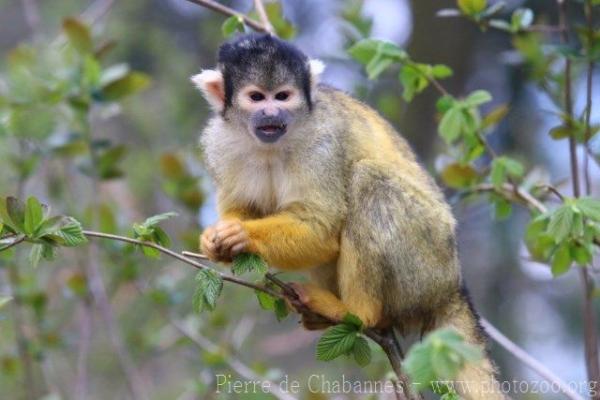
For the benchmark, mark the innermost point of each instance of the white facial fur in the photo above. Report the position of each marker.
(210, 83)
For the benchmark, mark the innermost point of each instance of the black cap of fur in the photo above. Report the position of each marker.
(263, 60)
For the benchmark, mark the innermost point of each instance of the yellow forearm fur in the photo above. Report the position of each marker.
(287, 242)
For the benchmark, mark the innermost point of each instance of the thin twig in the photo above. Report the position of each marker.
(590, 330)
(507, 189)
(238, 366)
(526, 359)
(588, 106)
(21, 238)
(213, 5)
(288, 292)
(262, 14)
(182, 258)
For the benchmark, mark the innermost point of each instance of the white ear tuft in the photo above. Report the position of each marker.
(210, 83)
(316, 68)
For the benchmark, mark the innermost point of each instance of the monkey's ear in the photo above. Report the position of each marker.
(316, 68)
(210, 82)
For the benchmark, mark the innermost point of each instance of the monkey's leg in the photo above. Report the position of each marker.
(325, 303)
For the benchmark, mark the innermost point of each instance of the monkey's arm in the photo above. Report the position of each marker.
(291, 240)
(298, 237)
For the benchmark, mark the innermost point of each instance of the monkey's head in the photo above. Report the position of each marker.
(262, 84)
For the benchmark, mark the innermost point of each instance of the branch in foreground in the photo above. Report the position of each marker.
(213, 5)
(385, 339)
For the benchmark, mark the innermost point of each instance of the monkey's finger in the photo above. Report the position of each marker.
(208, 248)
(229, 231)
(210, 233)
(239, 242)
(234, 240)
(238, 248)
(226, 225)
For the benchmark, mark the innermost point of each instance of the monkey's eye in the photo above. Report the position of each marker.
(282, 96)
(257, 96)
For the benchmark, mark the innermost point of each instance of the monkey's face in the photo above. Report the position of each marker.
(263, 85)
(269, 113)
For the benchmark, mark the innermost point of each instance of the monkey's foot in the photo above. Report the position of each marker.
(319, 307)
(314, 322)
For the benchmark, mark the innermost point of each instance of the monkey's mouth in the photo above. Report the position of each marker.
(271, 132)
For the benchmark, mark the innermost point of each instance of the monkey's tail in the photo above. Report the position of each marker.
(477, 381)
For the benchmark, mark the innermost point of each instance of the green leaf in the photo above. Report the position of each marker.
(441, 71)
(495, 116)
(590, 207)
(365, 50)
(361, 351)
(581, 254)
(232, 25)
(377, 65)
(247, 262)
(440, 356)
(71, 233)
(208, 290)
(78, 34)
(413, 80)
(498, 173)
(156, 219)
(35, 255)
(522, 18)
(418, 365)
(472, 7)
(151, 252)
(502, 208)
(443, 364)
(281, 309)
(353, 320)
(539, 243)
(128, 85)
(459, 176)
(34, 215)
(336, 341)
(477, 98)
(265, 300)
(452, 124)
(513, 167)
(561, 223)
(283, 28)
(561, 260)
(160, 237)
(16, 214)
(502, 167)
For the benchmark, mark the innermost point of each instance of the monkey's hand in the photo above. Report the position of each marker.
(224, 240)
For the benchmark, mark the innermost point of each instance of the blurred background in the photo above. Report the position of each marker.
(144, 330)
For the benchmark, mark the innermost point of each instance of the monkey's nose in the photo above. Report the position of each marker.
(270, 111)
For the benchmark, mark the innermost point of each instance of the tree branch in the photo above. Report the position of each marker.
(526, 359)
(262, 14)
(238, 366)
(213, 5)
(17, 239)
(184, 259)
(590, 330)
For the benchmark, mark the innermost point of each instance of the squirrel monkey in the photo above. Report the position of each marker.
(311, 179)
